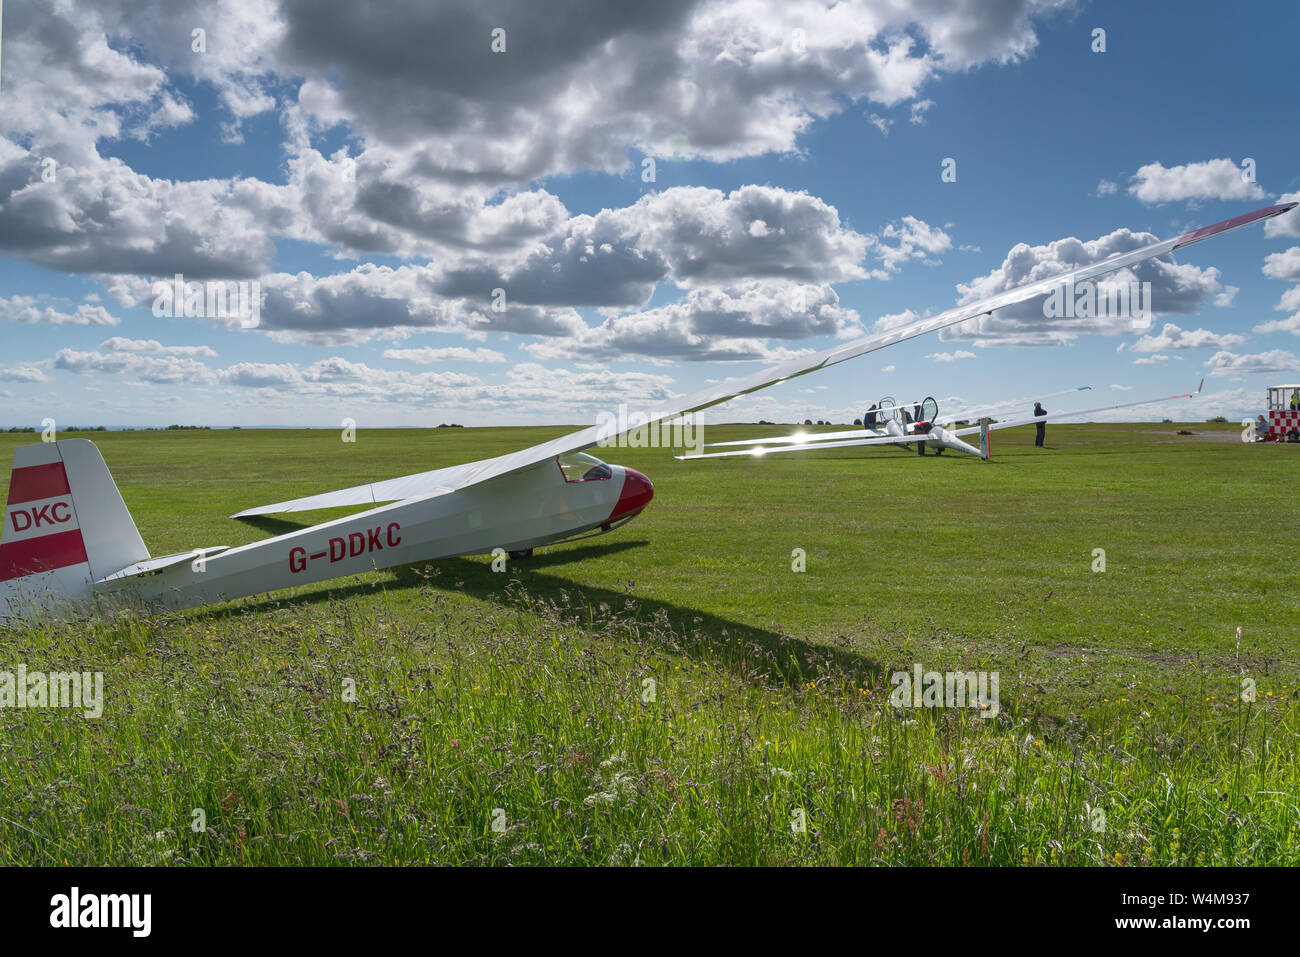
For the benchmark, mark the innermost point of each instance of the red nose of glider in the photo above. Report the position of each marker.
(636, 495)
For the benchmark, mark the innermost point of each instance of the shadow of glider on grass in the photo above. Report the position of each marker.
(69, 542)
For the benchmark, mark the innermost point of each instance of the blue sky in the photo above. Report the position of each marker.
(380, 179)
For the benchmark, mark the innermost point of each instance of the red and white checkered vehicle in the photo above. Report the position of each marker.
(1283, 412)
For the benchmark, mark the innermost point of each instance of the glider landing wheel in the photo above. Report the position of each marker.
(521, 554)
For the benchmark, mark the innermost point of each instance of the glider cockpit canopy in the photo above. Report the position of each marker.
(581, 467)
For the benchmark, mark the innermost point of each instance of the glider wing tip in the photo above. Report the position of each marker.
(1205, 232)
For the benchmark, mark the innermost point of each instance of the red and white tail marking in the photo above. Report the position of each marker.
(65, 528)
(41, 531)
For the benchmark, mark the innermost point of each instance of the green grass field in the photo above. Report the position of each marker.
(502, 718)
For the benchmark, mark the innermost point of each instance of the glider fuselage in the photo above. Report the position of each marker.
(532, 507)
(537, 506)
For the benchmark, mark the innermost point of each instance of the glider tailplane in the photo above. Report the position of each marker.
(65, 527)
(986, 446)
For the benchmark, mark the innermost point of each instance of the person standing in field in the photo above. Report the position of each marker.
(869, 418)
(1041, 426)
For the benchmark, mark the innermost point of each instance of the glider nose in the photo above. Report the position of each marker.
(636, 495)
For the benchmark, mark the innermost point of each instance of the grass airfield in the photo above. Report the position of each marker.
(502, 718)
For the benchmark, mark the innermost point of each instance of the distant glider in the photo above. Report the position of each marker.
(68, 539)
(934, 436)
(897, 430)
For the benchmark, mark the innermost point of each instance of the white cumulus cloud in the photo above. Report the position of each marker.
(1211, 179)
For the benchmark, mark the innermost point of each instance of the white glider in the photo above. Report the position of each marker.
(68, 539)
(935, 436)
(799, 438)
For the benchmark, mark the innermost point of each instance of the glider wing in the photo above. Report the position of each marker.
(734, 388)
(439, 481)
(475, 473)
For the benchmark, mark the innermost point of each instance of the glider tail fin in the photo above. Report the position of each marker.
(986, 446)
(65, 527)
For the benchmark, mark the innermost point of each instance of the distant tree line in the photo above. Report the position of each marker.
(104, 428)
(70, 428)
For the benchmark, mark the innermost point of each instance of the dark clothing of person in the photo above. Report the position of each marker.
(869, 418)
(920, 446)
(1042, 426)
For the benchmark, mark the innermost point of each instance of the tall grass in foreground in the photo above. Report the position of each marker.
(523, 733)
